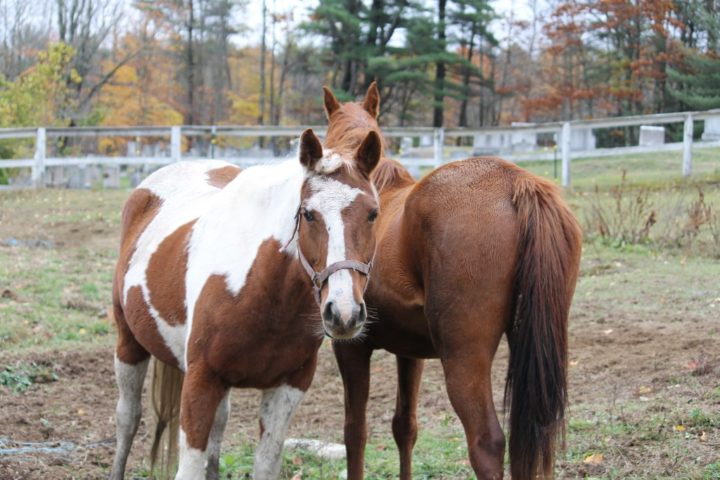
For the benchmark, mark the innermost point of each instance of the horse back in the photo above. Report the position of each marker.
(161, 258)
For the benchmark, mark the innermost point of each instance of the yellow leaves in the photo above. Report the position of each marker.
(244, 110)
(594, 459)
(42, 92)
(679, 428)
(75, 76)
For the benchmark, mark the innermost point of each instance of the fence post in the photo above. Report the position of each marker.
(565, 153)
(175, 144)
(438, 140)
(687, 146)
(213, 140)
(38, 170)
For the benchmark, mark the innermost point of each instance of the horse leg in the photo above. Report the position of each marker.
(354, 364)
(404, 423)
(131, 363)
(276, 410)
(467, 377)
(216, 436)
(202, 394)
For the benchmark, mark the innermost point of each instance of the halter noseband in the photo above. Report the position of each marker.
(318, 279)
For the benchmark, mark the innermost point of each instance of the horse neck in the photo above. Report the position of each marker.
(274, 189)
(390, 176)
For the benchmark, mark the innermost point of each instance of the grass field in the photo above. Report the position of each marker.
(644, 336)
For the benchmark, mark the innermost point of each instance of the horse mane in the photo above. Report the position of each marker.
(390, 174)
(348, 127)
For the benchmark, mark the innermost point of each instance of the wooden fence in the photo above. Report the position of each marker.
(561, 132)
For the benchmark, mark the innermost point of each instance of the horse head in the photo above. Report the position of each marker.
(335, 229)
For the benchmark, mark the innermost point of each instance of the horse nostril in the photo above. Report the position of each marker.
(331, 313)
(358, 316)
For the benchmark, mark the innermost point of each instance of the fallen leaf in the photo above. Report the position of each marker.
(594, 459)
(608, 331)
(679, 428)
(643, 390)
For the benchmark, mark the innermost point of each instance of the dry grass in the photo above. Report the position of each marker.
(683, 220)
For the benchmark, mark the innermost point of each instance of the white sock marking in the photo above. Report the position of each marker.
(276, 411)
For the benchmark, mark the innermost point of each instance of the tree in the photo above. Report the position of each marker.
(198, 33)
(472, 20)
(41, 95)
(697, 82)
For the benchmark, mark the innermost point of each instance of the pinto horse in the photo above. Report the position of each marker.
(476, 249)
(218, 277)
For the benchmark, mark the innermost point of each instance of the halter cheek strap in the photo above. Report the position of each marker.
(319, 279)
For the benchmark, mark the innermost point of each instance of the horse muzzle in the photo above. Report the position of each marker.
(340, 322)
(341, 325)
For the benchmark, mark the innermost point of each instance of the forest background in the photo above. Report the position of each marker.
(467, 63)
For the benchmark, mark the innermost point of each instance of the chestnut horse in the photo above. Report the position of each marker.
(215, 279)
(476, 249)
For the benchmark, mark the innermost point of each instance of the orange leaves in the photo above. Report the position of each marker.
(594, 459)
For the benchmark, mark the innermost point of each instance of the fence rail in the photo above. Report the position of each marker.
(562, 132)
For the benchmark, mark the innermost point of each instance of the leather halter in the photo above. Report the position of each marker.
(318, 279)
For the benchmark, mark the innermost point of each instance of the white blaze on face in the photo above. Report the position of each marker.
(330, 198)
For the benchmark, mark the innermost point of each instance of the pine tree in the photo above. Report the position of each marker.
(698, 83)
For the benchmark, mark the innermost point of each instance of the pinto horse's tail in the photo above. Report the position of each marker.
(550, 241)
(167, 384)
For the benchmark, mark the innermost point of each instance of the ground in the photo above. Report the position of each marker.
(644, 363)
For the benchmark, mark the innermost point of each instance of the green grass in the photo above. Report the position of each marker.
(54, 299)
(22, 376)
(647, 169)
(628, 442)
(438, 455)
(56, 283)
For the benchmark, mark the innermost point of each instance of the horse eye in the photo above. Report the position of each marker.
(372, 215)
(308, 215)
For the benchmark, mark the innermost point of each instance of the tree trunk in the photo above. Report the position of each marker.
(438, 110)
(263, 48)
(462, 119)
(190, 114)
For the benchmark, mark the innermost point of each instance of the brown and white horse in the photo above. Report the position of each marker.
(476, 249)
(219, 275)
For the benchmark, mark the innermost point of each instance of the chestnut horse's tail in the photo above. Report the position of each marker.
(547, 267)
(167, 384)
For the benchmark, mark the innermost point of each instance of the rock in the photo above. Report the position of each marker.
(326, 450)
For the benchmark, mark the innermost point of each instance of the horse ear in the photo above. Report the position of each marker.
(331, 103)
(369, 153)
(310, 149)
(372, 100)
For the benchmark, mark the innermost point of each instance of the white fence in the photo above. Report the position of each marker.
(435, 138)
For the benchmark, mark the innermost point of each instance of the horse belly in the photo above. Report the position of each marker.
(401, 331)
